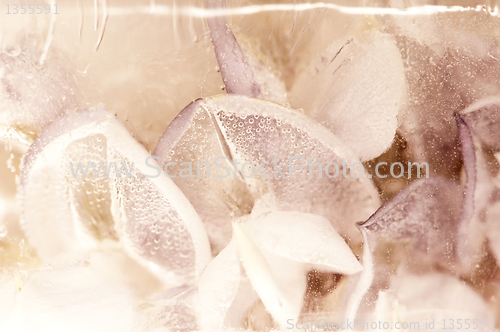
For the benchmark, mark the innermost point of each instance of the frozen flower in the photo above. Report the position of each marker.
(125, 251)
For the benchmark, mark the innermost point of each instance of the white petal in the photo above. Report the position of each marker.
(217, 288)
(305, 238)
(355, 88)
(261, 132)
(291, 280)
(260, 275)
(361, 282)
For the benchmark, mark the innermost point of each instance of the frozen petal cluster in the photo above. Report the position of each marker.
(206, 246)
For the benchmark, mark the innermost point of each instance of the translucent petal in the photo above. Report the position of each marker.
(493, 233)
(355, 88)
(32, 95)
(217, 288)
(274, 138)
(487, 199)
(305, 238)
(271, 138)
(193, 138)
(481, 118)
(149, 214)
(425, 212)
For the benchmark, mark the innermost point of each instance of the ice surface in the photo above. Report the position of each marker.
(153, 58)
(452, 62)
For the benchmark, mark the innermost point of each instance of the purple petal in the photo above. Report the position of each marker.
(467, 212)
(483, 117)
(236, 74)
(424, 212)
